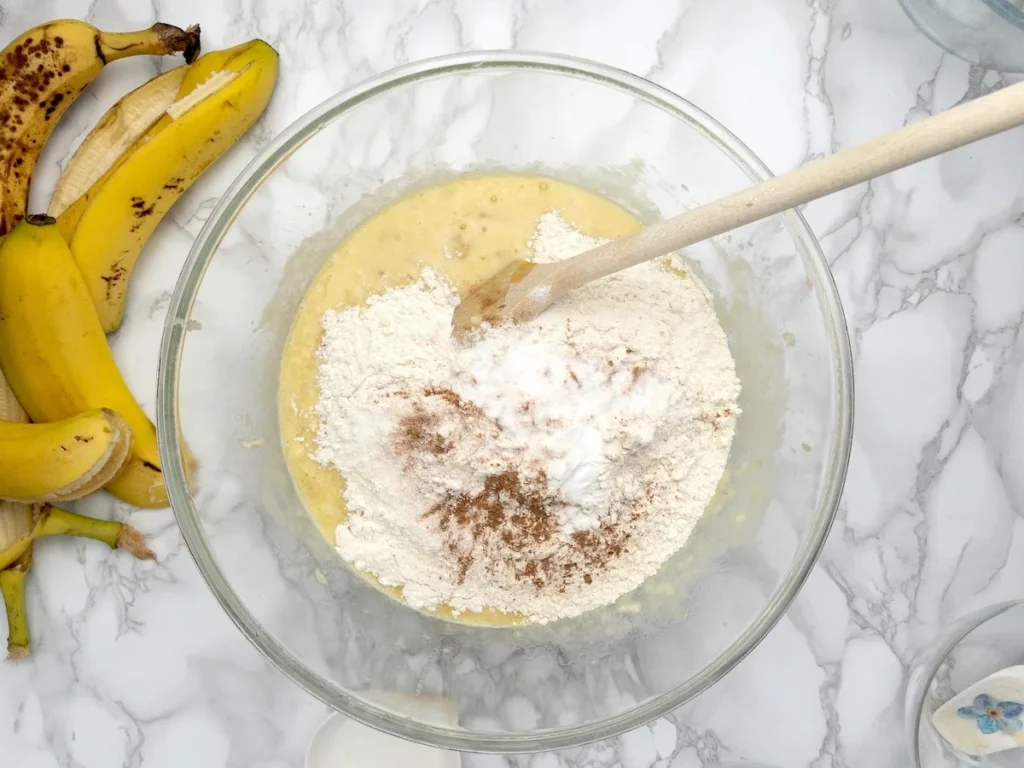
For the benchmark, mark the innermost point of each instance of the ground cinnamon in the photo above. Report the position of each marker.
(512, 521)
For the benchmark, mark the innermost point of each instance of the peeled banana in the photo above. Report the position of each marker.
(56, 357)
(221, 96)
(42, 72)
(116, 131)
(62, 460)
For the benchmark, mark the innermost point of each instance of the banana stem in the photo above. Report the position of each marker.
(158, 40)
(12, 586)
(54, 521)
(60, 522)
(130, 540)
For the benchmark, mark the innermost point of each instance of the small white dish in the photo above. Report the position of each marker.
(986, 717)
(341, 742)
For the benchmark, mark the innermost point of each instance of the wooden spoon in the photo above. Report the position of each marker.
(523, 290)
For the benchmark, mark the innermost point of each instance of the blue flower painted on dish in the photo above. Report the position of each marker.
(993, 716)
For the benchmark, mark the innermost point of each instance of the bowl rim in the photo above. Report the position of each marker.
(187, 515)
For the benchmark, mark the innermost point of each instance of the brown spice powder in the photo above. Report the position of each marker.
(455, 400)
(510, 523)
(417, 434)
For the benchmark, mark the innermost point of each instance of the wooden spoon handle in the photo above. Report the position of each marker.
(971, 121)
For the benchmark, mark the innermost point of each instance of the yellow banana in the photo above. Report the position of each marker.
(62, 460)
(42, 72)
(116, 131)
(222, 95)
(55, 355)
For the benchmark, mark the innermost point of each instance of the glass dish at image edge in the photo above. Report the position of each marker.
(510, 689)
(968, 650)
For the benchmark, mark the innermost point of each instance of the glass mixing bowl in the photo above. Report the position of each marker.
(512, 689)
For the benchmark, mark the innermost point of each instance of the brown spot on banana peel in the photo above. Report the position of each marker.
(114, 278)
(99, 49)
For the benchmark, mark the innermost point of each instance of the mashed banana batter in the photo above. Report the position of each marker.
(467, 230)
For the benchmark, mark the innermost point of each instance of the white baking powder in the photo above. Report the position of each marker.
(548, 468)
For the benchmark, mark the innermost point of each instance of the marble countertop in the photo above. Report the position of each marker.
(134, 664)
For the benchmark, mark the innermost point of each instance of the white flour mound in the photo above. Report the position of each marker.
(547, 469)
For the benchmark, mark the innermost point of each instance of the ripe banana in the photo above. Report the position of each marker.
(55, 355)
(42, 72)
(116, 131)
(221, 96)
(62, 460)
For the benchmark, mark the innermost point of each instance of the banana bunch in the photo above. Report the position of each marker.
(42, 72)
(69, 425)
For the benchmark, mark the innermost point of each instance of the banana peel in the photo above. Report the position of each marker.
(20, 526)
(222, 94)
(63, 460)
(12, 587)
(54, 521)
(117, 130)
(15, 523)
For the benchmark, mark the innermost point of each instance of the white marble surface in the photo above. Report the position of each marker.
(135, 665)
